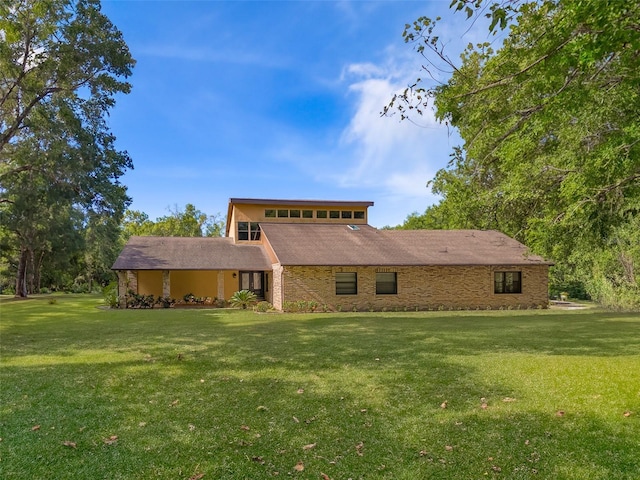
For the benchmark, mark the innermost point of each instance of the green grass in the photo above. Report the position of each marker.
(233, 394)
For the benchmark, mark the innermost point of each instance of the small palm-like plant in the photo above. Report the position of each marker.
(243, 298)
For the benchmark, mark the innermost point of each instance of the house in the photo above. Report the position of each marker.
(325, 251)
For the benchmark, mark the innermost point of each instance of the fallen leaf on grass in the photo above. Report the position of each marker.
(495, 468)
(174, 403)
(299, 467)
(35, 427)
(70, 444)
(443, 404)
(484, 406)
(258, 459)
(448, 448)
(508, 399)
(197, 476)
(296, 420)
(309, 446)
(111, 440)
(359, 449)
(192, 427)
(560, 413)
(300, 390)
(245, 427)
(324, 476)
(627, 413)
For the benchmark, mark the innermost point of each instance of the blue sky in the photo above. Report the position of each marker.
(275, 99)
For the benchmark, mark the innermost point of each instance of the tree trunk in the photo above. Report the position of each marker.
(31, 267)
(21, 277)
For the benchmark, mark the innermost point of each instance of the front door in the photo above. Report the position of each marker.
(254, 282)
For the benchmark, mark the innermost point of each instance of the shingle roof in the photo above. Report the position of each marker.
(182, 253)
(334, 245)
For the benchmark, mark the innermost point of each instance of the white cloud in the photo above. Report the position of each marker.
(399, 157)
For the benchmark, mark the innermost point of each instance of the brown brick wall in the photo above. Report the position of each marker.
(466, 287)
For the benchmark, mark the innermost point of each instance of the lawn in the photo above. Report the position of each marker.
(214, 394)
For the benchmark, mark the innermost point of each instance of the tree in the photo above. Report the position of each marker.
(188, 223)
(61, 64)
(550, 127)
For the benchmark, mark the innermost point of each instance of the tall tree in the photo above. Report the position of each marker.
(61, 64)
(551, 133)
(189, 222)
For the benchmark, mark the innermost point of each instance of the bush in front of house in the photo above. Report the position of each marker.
(243, 299)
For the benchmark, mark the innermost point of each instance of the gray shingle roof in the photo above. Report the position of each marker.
(334, 245)
(189, 253)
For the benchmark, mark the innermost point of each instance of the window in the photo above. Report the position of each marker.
(270, 213)
(346, 214)
(243, 230)
(358, 215)
(307, 213)
(386, 283)
(254, 229)
(507, 282)
(346, 283)
(248, 231)
(321, 214)
(283, 213)
(294, 213)
(334, 214)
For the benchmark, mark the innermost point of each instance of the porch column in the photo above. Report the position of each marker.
(166, 283)
(221, 285)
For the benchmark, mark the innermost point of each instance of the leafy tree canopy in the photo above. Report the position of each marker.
(550, 129)
(189, 222)
(61, 64)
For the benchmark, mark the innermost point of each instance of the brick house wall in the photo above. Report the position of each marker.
(426, 287)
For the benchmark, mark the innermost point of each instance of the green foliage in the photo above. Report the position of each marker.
(110, 294)
(556, 394)
(166, 302)
(139, 300)
(263, 307)
(300, 306)
(62, 63)
(550, 125)
(243, 299)
(188, 223)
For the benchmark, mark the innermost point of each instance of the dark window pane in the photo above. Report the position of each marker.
(386, 283)
(243, 230)
(346, 283)
(294, 213)
(270, 213)
(358, 215)
(334, 214)
(283, 213)
(307, 213)
(321, 214)
(507, 282)
(346, 214)
(255, 231)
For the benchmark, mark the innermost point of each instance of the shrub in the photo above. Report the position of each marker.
(263, 307)
(166, 302)
(110, 294)
(189, 298)
(243, 299)
(137, 300)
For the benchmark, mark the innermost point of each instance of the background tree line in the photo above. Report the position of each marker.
(550, 123)
(78, 254)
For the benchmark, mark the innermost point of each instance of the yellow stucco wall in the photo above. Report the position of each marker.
(150, 282)
(231, 285)
(201, 283)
